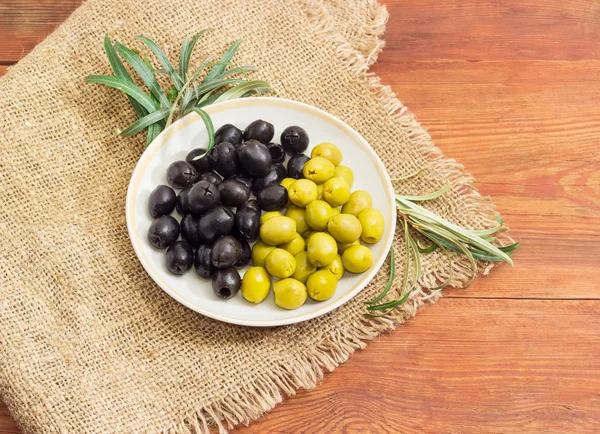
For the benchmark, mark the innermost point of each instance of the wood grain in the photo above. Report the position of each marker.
(510, 89)
(7, 425)
(25, 23)
(465, 366)
(423, 29)
(528, 131)
(494, 30)
(461, 366)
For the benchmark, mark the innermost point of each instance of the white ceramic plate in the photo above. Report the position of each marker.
(189, 133)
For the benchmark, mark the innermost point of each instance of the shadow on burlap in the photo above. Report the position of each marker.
(88, 343)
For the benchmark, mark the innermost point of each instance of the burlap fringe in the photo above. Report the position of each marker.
(250, 403)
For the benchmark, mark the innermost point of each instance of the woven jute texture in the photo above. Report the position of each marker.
(88, 343)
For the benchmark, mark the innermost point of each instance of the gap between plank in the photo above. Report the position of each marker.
(521, 298)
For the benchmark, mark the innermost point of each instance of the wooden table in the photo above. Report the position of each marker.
(512, 90)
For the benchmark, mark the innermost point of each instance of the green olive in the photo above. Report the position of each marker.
(357, 259)
(335, 267)
(287, 182)
(320, 191)
(278, 230)
(269, 215)
(280, 263)
(343, 246)
(371, 221)
(289, 293)
(318, 169)
(321, 285)
(297, 214)
(321, 248)
(329, 151)
(260, 250)
(317, 215)
(302, 192)
(359, 200)
(295, 246)
(303, 267)
(256, 284)
(346, 173)
(345, 228)
(336, 191)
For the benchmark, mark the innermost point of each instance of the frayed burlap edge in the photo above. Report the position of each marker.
(262, 395)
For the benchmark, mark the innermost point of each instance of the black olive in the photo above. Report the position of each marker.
(189, 230)
(202, 196)
(162, 201)
(202, 263)
(214, 223)
(226, 283)
(182, 203)
(223, 160)
(294, 140)
(233, 193)
(247, 223)
(252, 203)
(180, 257)
(181, 174)
(277, 152)
(259, 130)
(228, 133)
(163, 231)
(272, 198)
(225, 252)
(295, 165)
(254, 157)
(212, 177)
(275, 176)
(201, 164)
(245, 179)
(245, 254)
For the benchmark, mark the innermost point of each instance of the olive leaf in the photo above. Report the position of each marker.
(210, 129)
(121, 72)
(144, 72)
(129, 88)
(164, 61)
(186, 53)
(156, 108)
(145, 122)
(219, 68)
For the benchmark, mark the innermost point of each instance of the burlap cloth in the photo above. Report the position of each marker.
(88, 343)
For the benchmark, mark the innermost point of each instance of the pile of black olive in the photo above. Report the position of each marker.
(215, 199)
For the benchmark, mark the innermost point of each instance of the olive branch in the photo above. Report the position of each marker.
(209, 83)
(441, 234)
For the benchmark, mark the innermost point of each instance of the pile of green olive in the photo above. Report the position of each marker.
(309, 227)
(309, 246)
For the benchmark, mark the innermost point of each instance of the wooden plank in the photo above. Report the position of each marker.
(24, 23)
(528, 132)
(7, 425)
(507, 366)
(492, 30)
(421, 29)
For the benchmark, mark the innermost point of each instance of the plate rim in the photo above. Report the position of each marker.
(164, 137)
